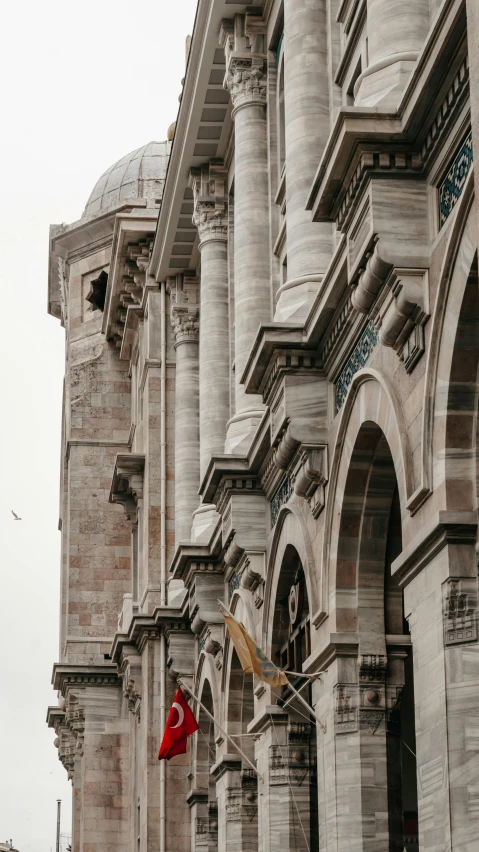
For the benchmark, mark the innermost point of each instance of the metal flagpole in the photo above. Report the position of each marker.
(308, 707)
(300, 697)
(59, 810)
(248, 761)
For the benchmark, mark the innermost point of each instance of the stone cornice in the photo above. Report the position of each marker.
(145, 627)
(235, 466)
(55, 717)
(226, 763)
(336, 645)
(270, 715)
(190, 556)
(65, 676)
(196, 797)
(447, 527)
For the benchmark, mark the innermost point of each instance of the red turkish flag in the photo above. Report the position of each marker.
(179, 726)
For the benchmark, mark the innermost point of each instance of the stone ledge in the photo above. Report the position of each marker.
(446, 527)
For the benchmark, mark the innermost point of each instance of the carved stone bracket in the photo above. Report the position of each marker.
(403, 305)
(307, 464)
(311, 475)
(127, 482)
(404, 314)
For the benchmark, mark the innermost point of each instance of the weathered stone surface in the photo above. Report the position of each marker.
(334, 140)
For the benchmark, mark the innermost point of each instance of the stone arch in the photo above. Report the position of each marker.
(372, 678)
(290, 531)
(205, 811)
(370, 400)
(290, 586)
(237, 686)
(439, 463)
(236, 786)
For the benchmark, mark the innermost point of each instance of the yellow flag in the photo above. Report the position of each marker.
(252, 658)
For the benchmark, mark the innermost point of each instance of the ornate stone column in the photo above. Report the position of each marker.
(396, 33)
(210, 217)
(185, 321)
(246, 82)
(306, 103)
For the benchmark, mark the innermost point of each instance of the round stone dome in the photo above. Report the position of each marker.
(141, 174)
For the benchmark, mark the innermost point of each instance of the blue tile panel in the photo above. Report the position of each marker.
(450, 190)
(359, 358)
(282, 496)
(233, 584)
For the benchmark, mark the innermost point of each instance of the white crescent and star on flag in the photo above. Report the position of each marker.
(181, 714)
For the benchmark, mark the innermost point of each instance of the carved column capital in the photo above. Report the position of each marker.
(246, 80)
(185, 312)
(243, 41)
(209, 198)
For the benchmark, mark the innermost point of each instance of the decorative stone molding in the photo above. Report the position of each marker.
(291, 763)
(75, 720)
(460, 611)
(373, 668)
(210, 208)
(185, 311)
(206, 829)
(133, 696)
(130, 671)
(127, 483)
(345, 708)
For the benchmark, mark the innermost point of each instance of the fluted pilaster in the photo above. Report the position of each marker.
(210, 217)
(246, 81)
(185, 322)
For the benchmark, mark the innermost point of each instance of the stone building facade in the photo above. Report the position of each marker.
(271, 395)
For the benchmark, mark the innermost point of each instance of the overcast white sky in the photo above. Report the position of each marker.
(82, 84)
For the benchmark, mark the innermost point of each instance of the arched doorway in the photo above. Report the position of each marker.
(374, 728)
(237, 782)
(293, 817)
(205, 806)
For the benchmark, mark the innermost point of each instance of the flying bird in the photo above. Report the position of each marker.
(15, 516)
